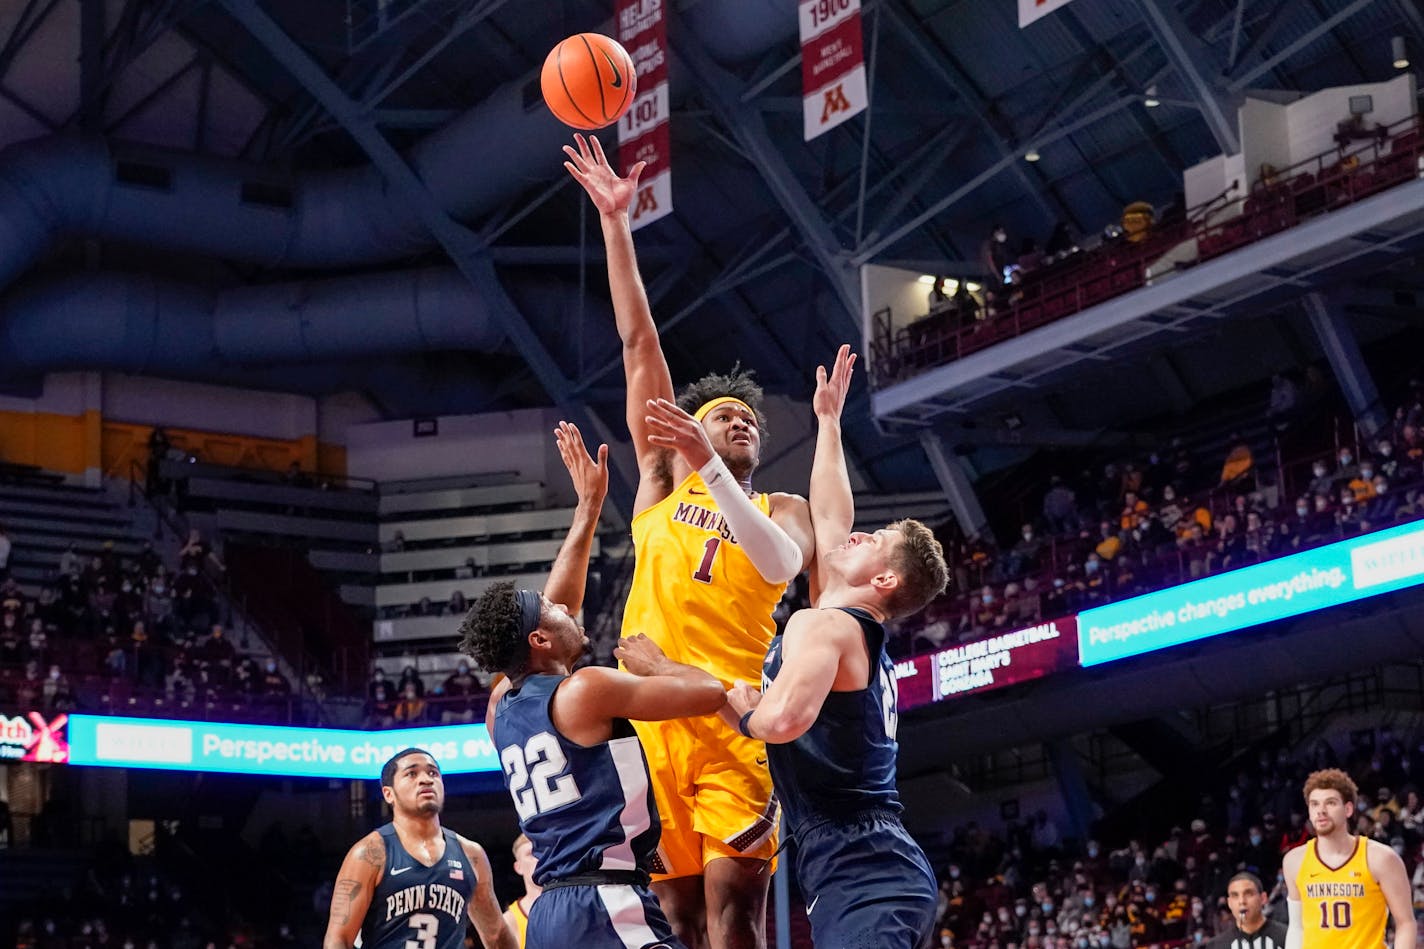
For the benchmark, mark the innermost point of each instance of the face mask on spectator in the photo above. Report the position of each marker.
(988, 598)
(1346, 458)
(1301, 510)
(1255, 840)
(1028, 534)
(1366, 472)
(1319, 471)
(1020, 910)
(1088, 900)
(1386, 449)
(1091, 566)
(1151, 897)
(1046, 906)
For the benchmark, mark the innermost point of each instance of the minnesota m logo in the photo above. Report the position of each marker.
(835, 101)
(647, 201)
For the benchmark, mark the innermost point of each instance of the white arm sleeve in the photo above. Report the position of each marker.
(1295, 934)
(771, 550)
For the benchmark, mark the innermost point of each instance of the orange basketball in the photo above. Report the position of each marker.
(588, 81)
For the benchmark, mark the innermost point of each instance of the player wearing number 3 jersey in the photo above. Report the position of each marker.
(412, 884)
(1342, 889)
(571, 761)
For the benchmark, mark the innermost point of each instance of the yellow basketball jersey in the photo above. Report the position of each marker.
(695, 592)
(521, 921)
(1342, 908)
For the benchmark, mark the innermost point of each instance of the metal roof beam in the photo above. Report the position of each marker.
(1342, 350)
(864, 254)
(750, 132)
(1243, 80)
(940, 64)
(463, 247)
(1410, 10)
(1197, 67)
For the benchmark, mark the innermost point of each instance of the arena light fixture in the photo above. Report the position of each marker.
(1032, 155)
(1401, 53)
(1151, 100)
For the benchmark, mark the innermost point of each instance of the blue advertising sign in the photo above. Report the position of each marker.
(1288, 586)
(116, 742)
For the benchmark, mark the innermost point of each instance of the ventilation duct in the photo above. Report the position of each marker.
(84, 186)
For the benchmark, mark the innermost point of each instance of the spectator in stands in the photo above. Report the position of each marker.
(1060, 508)
(12, 644)
(5, 547)
(381, 703)
(1283, 401)
(57, 692)
(396, 544)
(1321, 481)
(994, 255)
(274, 684)
(1345, 469)
(459, 690)
(193, 597)
(1026, 553)
(410, 679)
(1321, 526)
(1363, 483)
(410, 710)
(1347, 515)
(939, 299)
(1380, 510)
(1238, 467)
(457, 605)
(465, 571)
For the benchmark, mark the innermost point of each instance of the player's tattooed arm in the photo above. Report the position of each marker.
(483, 908)
(351, 897)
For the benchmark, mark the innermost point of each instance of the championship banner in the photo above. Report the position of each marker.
(832, 64)
(643, 132)
(1030, 10)
(990, 662)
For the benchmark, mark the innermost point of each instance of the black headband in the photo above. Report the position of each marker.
(530, 608)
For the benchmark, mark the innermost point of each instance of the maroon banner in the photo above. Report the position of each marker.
(990, 662)
(643, 133)
(833, 82)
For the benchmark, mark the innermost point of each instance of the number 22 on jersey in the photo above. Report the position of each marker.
(537, 781)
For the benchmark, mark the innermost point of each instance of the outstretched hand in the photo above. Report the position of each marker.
(671, 427)
(590, 477)
(831, 390)
(589, 167)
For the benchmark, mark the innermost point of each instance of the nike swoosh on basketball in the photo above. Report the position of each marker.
(617, 82)
(396, 873)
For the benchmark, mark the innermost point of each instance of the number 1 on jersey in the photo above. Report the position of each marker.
(703, 573)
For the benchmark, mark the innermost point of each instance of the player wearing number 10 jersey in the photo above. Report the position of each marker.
(1342, 888)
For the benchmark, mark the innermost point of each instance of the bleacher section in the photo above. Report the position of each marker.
(46, 517)
(447, 541)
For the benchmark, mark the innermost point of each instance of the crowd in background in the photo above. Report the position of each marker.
(1030, 886)
(1144, 523)
(118, 633)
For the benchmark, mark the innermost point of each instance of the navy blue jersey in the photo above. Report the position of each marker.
(416, 905)
(584, 809)
(845, 762)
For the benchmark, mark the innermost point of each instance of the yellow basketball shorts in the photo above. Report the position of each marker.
(713, 791)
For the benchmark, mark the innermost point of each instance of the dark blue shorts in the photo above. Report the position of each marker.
(613, 916)
(867, 884)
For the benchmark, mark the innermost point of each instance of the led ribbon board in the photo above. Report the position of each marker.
(989, 662)
(118, 742)
(1276, 589)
